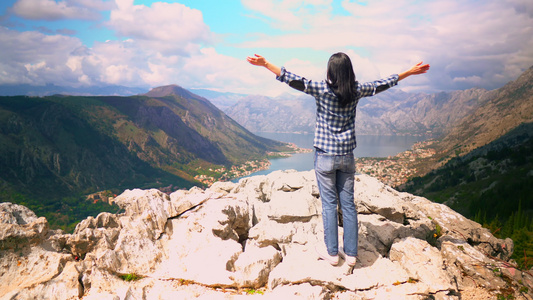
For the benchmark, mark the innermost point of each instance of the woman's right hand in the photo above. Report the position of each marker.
(258, 60)
(417, 69)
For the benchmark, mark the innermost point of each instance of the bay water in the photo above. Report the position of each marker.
(367, 146)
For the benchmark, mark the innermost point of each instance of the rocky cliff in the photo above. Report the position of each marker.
(255, 239)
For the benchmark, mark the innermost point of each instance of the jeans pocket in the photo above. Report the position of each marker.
(324, 163)
(349, 164)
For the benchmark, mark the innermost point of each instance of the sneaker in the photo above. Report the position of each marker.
(350, 260)
(332, 259)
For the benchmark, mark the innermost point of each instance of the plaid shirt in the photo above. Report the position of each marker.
(335, 125)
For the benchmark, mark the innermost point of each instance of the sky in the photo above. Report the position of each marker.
(204, 43)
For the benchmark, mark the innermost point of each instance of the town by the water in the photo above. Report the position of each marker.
(249, 167)
(395, 170)
(392, 170)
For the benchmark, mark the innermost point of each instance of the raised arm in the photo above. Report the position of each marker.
(260, 61)
(419, 68)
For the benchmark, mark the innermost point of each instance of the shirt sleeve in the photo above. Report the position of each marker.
(374, 87)
(313, 88)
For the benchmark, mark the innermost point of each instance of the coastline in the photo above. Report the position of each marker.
(392, 170)
(395, 170)
(249, 167)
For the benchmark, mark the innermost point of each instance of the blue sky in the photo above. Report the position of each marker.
(204, 43)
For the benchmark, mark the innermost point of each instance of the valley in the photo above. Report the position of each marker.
(59, 149)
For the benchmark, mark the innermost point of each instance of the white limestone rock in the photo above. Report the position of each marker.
(254, 265)
(151, 206)
(304, 291)
(11, 213)
(19, 226)
(258, 234)
(456, 226)
(183, 201)
(423, 263)
(464, 259)
(203, 245)
(30, 273)
(374, 197)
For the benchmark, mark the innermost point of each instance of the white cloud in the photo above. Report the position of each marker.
(51, 10)
(165, 27)
(209, 69)
(100, 5)
(38, 59)
(164, 44)
(35, 58)
(467, 43)
(289, 14)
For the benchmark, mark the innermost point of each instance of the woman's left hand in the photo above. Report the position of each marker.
(260, 61)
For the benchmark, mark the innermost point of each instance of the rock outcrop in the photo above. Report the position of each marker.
(255, 239)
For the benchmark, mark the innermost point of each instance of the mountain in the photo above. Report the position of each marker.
(222, 100)
(393, 112)
(286, 113)
(496, 113)
(500, 128)
(483, 166)
(256, 239)
(476, 183)
(236, 143)
(62, 146)
(51, 89)
(502, 124)
(501, 111)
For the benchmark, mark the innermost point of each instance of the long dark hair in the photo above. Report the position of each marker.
(341, 78)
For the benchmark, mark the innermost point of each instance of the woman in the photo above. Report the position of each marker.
(334, 142)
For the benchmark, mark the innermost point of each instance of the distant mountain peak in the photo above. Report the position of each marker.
(175, 90)
(167, 90)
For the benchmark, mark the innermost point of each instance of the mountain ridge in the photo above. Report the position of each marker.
(503, 109)
(67, 146)
(392, 112)
(52, 89)
(498, 112)
(174, 89)
(482, 167)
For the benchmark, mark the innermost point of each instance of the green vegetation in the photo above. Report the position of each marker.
(434, 234)
(58, 149)
(130, 277)
(519, 227)
(63, 213)
(492, 186)
(254, 292)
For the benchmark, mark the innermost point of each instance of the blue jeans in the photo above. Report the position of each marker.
(335, 179)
